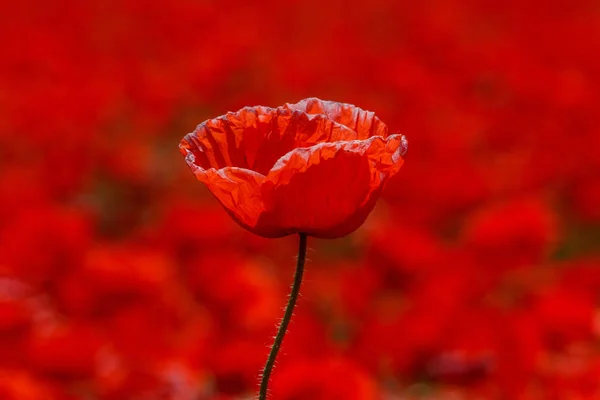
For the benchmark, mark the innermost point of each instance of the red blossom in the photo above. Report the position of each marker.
(277, 171)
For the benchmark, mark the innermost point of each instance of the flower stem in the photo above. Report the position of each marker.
(289, 309)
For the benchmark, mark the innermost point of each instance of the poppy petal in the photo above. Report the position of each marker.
(328, 190)
(256, 137)
(363, 122)
(237, 189)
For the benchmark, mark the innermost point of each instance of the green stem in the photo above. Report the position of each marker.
(289, 309)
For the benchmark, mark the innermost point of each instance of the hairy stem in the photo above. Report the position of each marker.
(289, 309)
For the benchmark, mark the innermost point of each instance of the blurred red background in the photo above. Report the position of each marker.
(476, 277)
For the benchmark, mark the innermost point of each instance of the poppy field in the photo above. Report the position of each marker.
(472, 272)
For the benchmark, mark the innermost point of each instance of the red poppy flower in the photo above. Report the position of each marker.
(315, 167)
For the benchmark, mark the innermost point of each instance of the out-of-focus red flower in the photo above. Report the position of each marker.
(566, 315)
(19, 385)
(586, 197)
(58, 235)
(235, 363)
(15, 313)
(256, 300)
(166, 380)
(514, 234)
(111, 277)
(316, 167)
(17, 310)
(65, 352)
(328, 379)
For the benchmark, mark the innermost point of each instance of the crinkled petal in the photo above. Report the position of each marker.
(255, 138)
(329, 189)
(238, 191)
(363, 122)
